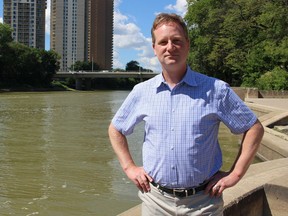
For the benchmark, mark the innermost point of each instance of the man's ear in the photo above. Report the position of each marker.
(153, 46)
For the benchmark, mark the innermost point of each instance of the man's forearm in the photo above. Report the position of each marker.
(137, 174)
(250, 143)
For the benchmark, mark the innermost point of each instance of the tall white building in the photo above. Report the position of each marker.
(27, 18)
(82, 31)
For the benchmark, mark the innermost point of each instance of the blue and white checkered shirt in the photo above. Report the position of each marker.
(181, 148)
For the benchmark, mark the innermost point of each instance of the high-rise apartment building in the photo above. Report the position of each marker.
(27, 19)
(82, 31)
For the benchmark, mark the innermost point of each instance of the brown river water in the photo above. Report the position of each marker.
(56, 159)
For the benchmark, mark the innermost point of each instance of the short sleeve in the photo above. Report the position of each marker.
(233, 112)
(127, 115)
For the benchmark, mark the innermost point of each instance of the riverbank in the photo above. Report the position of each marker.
(54, 86)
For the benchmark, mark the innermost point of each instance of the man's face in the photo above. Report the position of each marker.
(171, 47)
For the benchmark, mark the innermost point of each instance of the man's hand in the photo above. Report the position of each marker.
(139, 177)
(137, 174)
(219, 182)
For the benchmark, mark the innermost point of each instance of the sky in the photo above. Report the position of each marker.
(132, 24)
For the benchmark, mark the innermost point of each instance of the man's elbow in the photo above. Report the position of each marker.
(259, 128)
(257, 131)
(113, 132)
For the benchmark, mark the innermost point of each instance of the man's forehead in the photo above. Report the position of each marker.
(168, 23)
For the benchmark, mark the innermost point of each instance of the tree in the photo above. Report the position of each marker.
(273, 80)
(5, 39)
(5, 35)
(118, 69)
(134, 66)
(20, 64)
(238, 40)
(85, 66)
(26, 65)
(50, 61)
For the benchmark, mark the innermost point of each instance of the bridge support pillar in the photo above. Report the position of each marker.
(88, 84)
(79, 84)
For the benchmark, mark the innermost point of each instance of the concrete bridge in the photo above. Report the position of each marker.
(84, 78)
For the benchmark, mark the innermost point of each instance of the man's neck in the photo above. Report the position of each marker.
(174, 76)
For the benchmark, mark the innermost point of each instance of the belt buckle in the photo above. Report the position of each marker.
(175, 191)
(178, 191)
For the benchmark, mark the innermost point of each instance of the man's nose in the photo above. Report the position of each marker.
(170, 45)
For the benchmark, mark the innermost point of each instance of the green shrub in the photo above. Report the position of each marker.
(277, 79)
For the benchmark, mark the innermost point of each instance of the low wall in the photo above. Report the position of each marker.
(262, 191)
(274, 144)
(273, 94)
(256, 93)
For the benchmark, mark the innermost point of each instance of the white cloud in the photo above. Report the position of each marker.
(47, 18)
(180, 7)
(117, 2)
(127, 35)
(1, 19)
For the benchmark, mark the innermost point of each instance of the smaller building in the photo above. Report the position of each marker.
(82, 31)
(27, 19)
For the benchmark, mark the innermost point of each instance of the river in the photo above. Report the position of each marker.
(56, 159)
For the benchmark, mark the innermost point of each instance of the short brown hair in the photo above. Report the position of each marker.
(167, 18)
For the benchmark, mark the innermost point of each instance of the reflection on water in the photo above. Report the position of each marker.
(56, 159)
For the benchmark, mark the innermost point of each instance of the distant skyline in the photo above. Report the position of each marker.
(132, 23)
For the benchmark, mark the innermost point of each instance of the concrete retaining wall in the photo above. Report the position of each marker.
(255, 93)
(273, 94)
(262, 191)
(274, 144)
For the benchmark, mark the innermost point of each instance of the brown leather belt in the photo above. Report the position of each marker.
(178, 192)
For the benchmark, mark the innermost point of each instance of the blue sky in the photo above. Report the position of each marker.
(132, 24)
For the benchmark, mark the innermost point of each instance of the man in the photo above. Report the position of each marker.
(182, 110)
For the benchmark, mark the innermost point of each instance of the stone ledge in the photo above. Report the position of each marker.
(266, 183)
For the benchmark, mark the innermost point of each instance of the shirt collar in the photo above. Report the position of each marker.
(189, 78)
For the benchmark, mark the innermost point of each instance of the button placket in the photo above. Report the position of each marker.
(173, 118)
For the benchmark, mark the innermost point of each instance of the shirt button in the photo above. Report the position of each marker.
(173, 167)
(172, 129)
(172, 147)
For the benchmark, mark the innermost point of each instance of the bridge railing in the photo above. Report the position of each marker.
(84, 74)
(81, 76)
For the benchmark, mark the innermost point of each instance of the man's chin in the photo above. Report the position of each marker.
(170, 61)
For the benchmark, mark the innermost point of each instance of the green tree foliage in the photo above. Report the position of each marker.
(118, 69)
(5, 35)
(5, 39)
(85, 66)
(21, 64)
(277, 79)
(238, 40)
(134, 66)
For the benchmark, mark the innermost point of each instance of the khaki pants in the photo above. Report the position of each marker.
(156, 203)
